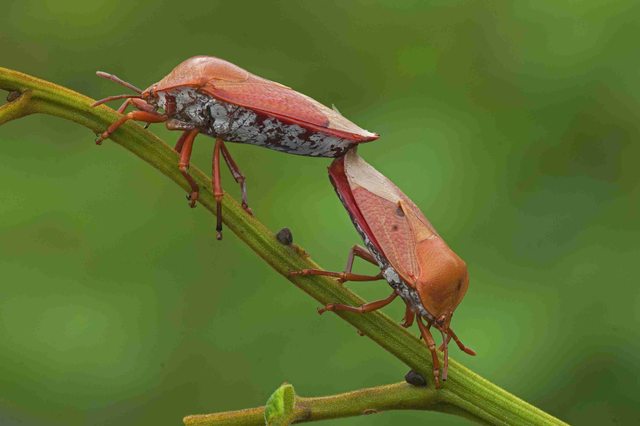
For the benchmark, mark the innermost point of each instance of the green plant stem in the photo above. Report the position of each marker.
(398, 396)
(465, 393)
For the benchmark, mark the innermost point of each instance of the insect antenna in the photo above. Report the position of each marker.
(113, 98)
(462, 347)
(118, 80)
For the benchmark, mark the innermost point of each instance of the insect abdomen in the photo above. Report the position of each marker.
(234, 123)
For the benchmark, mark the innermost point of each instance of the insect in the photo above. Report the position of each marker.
(429, 277)
(217, 98)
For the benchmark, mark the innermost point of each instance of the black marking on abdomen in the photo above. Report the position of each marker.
(234, 123)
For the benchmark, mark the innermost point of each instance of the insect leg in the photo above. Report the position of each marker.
(409, 317)
(347, 275)
(428, 338)
(237, 176)
(149, 117)
(217, 187)
(124, 106)
(180, 143)
(463, 348)
(362, 309)
(342, 276)
(445, 369)
(131, 100)
(362, 253)
(142, 105)
(186, 142)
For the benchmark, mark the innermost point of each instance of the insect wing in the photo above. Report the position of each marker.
(286, 104)
(394, 220)
(200, 70)
(341, 184)
(230, 83)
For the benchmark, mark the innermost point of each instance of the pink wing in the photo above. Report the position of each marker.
(230, 83)
(394, 221)
(274, 99)
(391, 230)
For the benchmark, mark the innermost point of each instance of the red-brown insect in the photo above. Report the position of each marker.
(212, 96)
(429, 277)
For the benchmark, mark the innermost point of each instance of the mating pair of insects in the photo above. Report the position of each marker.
(214, 97)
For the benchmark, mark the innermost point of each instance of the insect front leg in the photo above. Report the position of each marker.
(237, 176)
(149, 117)
(139, 104)
(428, 338)
(124, 106)
(445, 356)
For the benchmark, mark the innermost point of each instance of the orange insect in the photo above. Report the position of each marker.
(420, 267)
(215, 97)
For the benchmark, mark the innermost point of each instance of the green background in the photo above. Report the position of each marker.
(513, 125)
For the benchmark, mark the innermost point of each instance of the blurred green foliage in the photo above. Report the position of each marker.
(514, 125)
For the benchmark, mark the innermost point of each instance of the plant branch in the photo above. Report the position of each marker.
(464, 393)
(398, 396)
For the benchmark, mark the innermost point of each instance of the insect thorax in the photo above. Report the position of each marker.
(234, 123)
